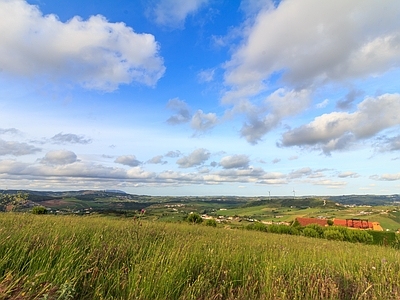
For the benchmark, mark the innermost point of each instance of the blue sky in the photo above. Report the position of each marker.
(201, 97)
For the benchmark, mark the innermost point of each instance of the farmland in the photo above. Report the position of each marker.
(227, 209)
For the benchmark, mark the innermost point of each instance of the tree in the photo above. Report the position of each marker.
(194, 218)
(211, 222)
(39, 210)
(11, 202)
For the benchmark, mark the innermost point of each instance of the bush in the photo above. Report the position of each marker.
(194, 218)
(360, 236)
(383, 238)
(39, 210)
(211, 222)
(318, 228)
(310, 232)
(282, 229)
(333, 234)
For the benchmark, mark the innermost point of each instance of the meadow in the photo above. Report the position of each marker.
(98, 257)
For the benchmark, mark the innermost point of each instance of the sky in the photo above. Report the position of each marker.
(201, 97)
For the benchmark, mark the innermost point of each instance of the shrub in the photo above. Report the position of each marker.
(259, 226)
(360, 236)
(194, 218)
(282, 229)
(333, 234)
(319, 229)
(310, 232)
(39, 210)
(211, 222)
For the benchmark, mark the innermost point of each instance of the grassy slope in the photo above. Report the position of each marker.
(64, 257)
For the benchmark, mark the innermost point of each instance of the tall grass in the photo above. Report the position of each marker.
(69, 257)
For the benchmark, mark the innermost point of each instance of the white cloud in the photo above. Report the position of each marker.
(59, 157)
(17, 148)
(386, 177)
(9, 131)
(330, 183)
(338, 130)
(206, 75)
(315, 42)
(128, 160)
(323, 104)
(157, 160)
(70, 138)
(276, 160)
(182, 110)
(94, 53)
(234, 161)
(300, 173)
(280, 103)
(172, 13)
(202, 122)
(173, 154)
(348, 174)
(389, 143)
(196, 158)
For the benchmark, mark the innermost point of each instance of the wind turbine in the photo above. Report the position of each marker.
(269, 195)
(294, 194)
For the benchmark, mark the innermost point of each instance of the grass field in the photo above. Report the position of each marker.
(93, 257)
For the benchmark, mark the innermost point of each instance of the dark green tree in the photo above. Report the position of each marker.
(39, 210)
(194, 218)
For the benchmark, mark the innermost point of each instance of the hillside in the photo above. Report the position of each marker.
(95, 257)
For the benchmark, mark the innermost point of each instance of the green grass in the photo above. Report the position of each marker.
(94, 257)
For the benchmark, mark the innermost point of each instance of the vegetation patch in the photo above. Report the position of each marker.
(98, 257)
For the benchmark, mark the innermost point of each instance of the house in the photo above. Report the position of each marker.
(350, 223)
(307, 221)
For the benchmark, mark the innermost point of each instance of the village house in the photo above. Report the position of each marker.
(350, 223)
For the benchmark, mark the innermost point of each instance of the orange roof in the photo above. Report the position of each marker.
(308, 221)
(353, 223)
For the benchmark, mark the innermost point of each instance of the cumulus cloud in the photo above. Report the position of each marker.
(59, 157)
(182, 115)
(348, 174)
(17, 148)
(196, 158)
(388, 143)
(9, 131)
(128, 160)
(206, 75)
(330, 183)
(202, 122)
(325, 41)
(338, 130)
(250, 175)
(93, 53)
(300, 173)
(173, 154)
(386, 177)
(323, 104)
(157, 160)
(281, 104)
(349, 99)
(276, 160)
(172, 13)
(69, 138)
(234, 161)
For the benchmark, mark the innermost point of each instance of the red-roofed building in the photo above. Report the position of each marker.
(307, 221)
(350, 223)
